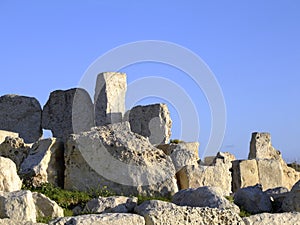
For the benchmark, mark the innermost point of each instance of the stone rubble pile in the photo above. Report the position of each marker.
(97, 145)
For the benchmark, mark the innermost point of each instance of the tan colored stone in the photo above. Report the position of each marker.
(9, 179)
(273, 219)
(4, 134)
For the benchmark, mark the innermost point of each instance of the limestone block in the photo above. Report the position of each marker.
(115, 157)
(292, 201)
(45, 163)
(18, 206)
(152, 121)
(244, 174)
(109, 98)
(4, 134)
(22, 115)
(274, 219)
(68, 112)
(9, 179)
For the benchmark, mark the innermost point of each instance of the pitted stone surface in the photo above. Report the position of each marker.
(22, 115)
(9, 179)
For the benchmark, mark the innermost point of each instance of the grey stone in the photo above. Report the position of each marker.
(211, 197)
(274, 219)
(12, 222)
(45, 163)
(157, 212)
(9, 179)
(22, 115)
(277, 196)
(100, 219)
(119, 159)
(113, 204)
(110, 98)
(68, 112)
(291, 203)
(152, 121)
(253, 200)
(18, 206)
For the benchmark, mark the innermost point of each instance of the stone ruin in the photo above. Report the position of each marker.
(97, 144)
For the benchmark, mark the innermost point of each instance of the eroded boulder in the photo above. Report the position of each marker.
(274, 219)
(119, 159)
(22, 115)
(9, 179)
(4, 134)
(291, 203)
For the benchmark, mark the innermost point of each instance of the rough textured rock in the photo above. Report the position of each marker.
(208, 160)
(217, 175)
(45, 207)
(253, 200)
(115, 157)
(270, 173)
(277, 195)
(101, 219)
(226, 156)
(110, 98)
(45, 163)
(68, 112)
(158, 212)
(289, 177)
(152, 121)
(4, 134)
(9, 179)
(15, 149)
(292, 201)
(22, 115)
(114, 204)
(244, 174)
(182, 154)
(12, 222)
(274, 219)
(261, 147)
(211, 197)
(18, 206)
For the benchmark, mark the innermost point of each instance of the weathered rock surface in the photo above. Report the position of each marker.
(18, 206)
(12, 222)
(9, 179)
(152, 121)
(4, 134)
(274, 219)
(45, 207)
(261, 147)
(290, 176)
(277, 195)
(253, 200)
(244, 174)
(158, 212)
(101, 219)
(182, 154)
(45, 163)
(68, 112)
(114, 204)
(217, 175)
(22, 115)
(109, 98)
(292, 201)
(15, 149)
(211, 197)
(115, 157)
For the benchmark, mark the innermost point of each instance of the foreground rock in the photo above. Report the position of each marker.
(253, 200)
(44, 164)
(117, 204)
(68, 112)
(4, 134)
(9, 179)
(211, 197)
(274, 219)
(217, 175)
(158, 212)
(101, 219)
(152, 121)
(109, 98)
(292, 201)
(15, 149)
(182, 154)
(18, 206)
(115, 157)
(277, 196)
(12, 222)
(45, 207)
(22, 115)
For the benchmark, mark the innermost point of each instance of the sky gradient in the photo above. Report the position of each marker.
(252, 47)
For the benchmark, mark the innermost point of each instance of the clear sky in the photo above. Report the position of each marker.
(252, 47)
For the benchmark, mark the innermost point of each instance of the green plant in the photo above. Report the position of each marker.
(230, 198)
(43, 219)
(175, 141)
(244, 213)
(295, 166)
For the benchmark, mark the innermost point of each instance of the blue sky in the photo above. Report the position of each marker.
(252, 47)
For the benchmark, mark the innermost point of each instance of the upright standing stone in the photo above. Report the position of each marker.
(152, 121)
(109, 98)
(22, 115)
(68, 112)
